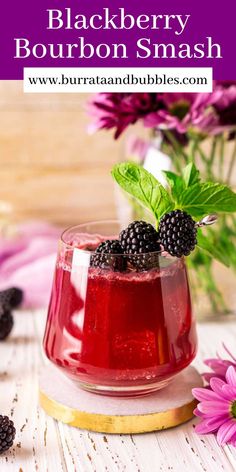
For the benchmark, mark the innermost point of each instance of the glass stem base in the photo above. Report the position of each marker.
(129, 391)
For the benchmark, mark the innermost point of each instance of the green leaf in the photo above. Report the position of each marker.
(226, 237)
(208, 197)
(212, 248)
(176, 184)
(143, 186)
(190, 175)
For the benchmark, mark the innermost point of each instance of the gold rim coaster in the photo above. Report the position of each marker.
(65, 401)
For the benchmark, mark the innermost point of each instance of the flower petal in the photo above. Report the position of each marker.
(231, 376)
(218, 365)
(229, 392)
(223, 389)
(216, 385)
(202, 428)
(209, 375)
(226, 432)
(233, 440)
(196, 412)
(204, 394)
(210, 425)
(214, 408)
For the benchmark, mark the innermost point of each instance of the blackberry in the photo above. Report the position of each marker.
(141, 241)
(7, 433)
(11, 297)
(109, 255)
(178, 233)
(6, 322)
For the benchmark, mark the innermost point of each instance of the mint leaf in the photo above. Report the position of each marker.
(226, 236)
(214, 250)
(143, 186)
(190, 175)
(176, 184)
(203, 198)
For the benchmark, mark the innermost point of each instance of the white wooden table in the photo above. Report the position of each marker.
(43, 445)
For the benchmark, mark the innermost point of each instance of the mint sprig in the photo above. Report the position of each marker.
(199, 198)
(190, 175)
(207, 197)
(176, 184)
(143, 186)
(185, 192)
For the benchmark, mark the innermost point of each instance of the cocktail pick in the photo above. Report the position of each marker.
(207, 220)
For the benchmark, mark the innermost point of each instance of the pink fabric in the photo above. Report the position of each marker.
(27, 261)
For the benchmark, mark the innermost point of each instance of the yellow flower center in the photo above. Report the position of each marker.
(180, 109)
(233, 409)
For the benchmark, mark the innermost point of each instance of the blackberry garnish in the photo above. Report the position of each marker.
(178, 232)
(7, 433)
(6, 322)
(109, 255)
(11, 297)
(141, 241)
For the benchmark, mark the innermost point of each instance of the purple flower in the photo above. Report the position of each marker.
(119, 110)
(217, 408)
(225, 105)
(219, 365)
(225, 83)
(183, 111)
(205, 113)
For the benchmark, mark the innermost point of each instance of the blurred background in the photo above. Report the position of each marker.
(51, 168)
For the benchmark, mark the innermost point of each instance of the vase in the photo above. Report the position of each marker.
(213, 285)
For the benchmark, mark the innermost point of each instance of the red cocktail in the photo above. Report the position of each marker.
(118, 332)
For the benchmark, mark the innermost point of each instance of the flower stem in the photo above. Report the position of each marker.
(203, 157)
(193, 150)
(231, 164)
(213, 153)
(221, 157)
(176, 146)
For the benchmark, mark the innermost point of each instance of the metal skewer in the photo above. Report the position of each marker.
(207, 220)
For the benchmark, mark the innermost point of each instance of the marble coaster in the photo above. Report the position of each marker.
(65, 401)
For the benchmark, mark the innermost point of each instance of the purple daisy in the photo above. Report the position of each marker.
(225, 106)
(183, 111)
(205, 113)
(219, 365)
(174, 111)
(119, 110)
(217, 408)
